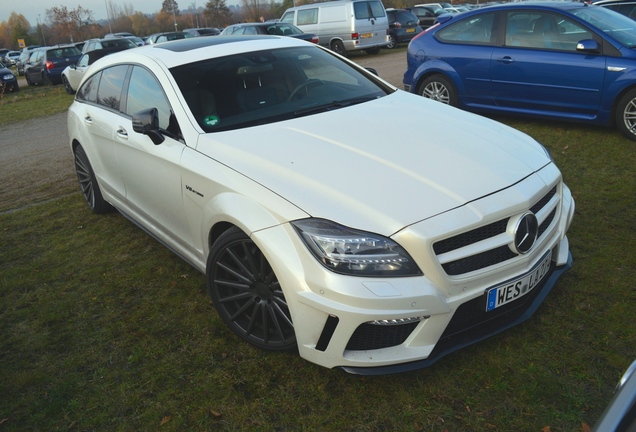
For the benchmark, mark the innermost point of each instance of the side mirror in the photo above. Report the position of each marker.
(146, 122)
(587, 45)
(373, 71)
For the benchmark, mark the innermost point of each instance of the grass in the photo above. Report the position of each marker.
(102, 328)
(33, 101)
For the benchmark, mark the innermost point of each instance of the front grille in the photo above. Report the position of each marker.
(489, 255)
(372, 336)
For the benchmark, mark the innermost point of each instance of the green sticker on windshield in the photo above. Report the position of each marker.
(211, 120)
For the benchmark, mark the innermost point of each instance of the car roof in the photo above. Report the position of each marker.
(192, 50)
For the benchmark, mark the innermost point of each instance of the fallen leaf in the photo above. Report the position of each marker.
(546, 429)
(166, 420)
(215, 413)
(585, 428)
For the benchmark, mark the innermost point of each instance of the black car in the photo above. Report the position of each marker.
(8, 81)
(269, 28)
(204, 31)
(47, 64)
(427, 15)
(403, 26)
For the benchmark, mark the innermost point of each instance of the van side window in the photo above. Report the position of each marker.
(307, 16)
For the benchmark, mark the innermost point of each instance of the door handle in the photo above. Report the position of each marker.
(506, 60)
(121, 133)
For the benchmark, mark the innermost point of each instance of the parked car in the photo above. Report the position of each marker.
(72, 75)
(270, 28)
(110, 42)
(625, 7)
(23, 61)
(274, 186)
(11, 57)
(427, 15)
(8, 81)
(562, 60)
(166, 37)
(343, 26)
(620, 413)
(47, 64)
(203, 31)
(403, 26)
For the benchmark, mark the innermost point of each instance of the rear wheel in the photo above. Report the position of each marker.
(67, 85)
(373, 51)
(626, 115)
(392, 42)
(28, 80)
(246, 293)
(338, 47)
(438, 88)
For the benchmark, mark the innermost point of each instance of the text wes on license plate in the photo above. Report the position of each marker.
(511, 291)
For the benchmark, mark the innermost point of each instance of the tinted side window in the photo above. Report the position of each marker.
(145, 92)
(88, 91)
(475, 29)
(544, 31)
(110, 86)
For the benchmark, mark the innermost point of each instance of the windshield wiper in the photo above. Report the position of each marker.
(332, 105)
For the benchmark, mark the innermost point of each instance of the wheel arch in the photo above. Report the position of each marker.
(436, 67)
(619, 96)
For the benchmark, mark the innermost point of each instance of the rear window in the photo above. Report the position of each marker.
(368, 9)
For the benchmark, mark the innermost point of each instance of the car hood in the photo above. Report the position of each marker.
(380, 165)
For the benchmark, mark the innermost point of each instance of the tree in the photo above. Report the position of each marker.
(18, 28)
(66, 23)
(255, 9)
(217, 12)
(168, 6)
(142, 25)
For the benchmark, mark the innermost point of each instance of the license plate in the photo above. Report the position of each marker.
(511, 291)
(366, 35)
(410, 30)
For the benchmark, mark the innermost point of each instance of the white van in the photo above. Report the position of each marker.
(343, 25)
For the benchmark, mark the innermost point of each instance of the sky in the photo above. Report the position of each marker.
(32, 8)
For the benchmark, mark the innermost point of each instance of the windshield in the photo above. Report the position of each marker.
(262, 87)
(612, 23)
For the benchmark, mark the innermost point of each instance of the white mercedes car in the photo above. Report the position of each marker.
(263, 162)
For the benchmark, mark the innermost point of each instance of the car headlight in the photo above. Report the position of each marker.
(352, 252)
(7, 77)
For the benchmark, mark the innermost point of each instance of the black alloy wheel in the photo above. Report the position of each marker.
(88, 183)
(246, 293)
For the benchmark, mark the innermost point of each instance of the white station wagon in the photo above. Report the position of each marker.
(262, 162)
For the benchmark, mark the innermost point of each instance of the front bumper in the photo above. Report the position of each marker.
(387, 325)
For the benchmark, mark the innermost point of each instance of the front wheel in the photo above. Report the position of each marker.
(246, 293)
(626, 115)
(88, 183)
(438, 88)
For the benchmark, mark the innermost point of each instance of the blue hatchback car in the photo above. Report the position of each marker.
(559, 60)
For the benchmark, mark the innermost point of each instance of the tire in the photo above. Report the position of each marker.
(246, 293)
(626, 115)
(67, 86)
(373, 51)
(438, 88)
(28, 80)
(88, 183)
(338, 47)
(392, 42)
